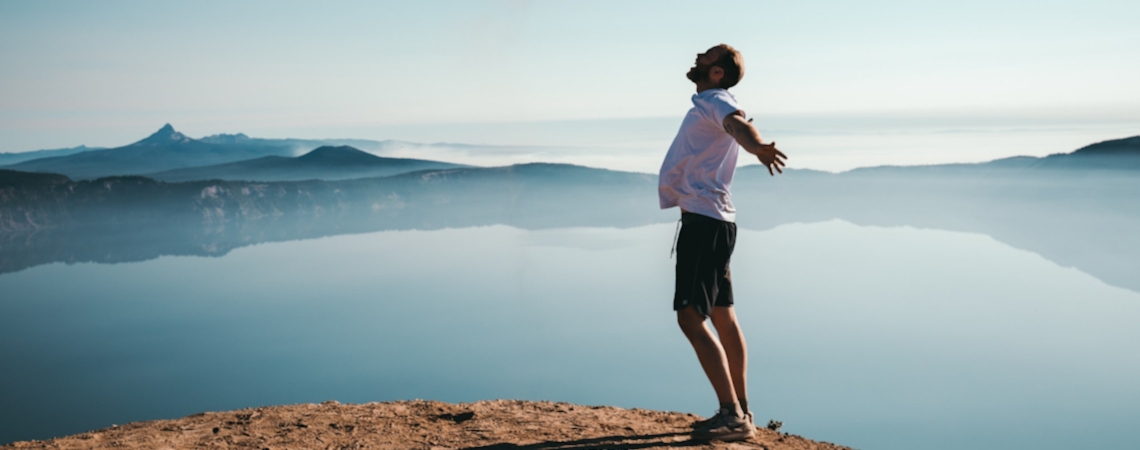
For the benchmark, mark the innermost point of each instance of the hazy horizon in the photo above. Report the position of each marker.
(571, 74)
(827, 143)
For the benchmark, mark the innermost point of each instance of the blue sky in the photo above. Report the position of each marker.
(107, 73)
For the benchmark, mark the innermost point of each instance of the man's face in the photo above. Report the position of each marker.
(704, 64)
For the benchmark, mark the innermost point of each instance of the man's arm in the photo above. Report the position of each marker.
(749, 139)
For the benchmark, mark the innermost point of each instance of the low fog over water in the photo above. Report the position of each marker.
(830, 143)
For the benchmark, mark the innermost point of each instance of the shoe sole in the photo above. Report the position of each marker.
(731, 436)
(701, 423)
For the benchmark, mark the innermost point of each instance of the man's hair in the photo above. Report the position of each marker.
(733, 64)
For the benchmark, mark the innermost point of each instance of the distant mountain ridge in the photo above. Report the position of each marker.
(170, 155)
(1111, 155)
(1115, 154)
(342, 154)
(19, 157)
(165, 149)
(323, 163)
(1115, 147)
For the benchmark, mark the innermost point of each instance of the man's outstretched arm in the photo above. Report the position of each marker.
(749, 138)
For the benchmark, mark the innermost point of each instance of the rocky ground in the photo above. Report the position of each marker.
(498, 424)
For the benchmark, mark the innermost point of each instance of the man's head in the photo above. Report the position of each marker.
(718, 67)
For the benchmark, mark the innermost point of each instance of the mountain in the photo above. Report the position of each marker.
(1116, 155)
(324, 163)
(168, 149)
(18, 157)
(1117, 147)
(164, 150)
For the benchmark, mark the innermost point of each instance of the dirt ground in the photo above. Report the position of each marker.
(497, 424)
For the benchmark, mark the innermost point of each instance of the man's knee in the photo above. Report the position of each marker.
(723, 317)
(690, 320)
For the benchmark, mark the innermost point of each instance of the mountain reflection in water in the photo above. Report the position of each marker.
(1083, 218)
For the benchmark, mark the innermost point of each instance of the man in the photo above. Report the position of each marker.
(696, 176)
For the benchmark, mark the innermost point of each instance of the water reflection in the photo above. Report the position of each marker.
(868, 336)
(1084, 219)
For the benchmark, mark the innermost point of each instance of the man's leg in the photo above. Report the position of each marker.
(709, 352)
(735, 350)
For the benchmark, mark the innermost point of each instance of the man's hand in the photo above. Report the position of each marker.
(771, 157)
(749, 139)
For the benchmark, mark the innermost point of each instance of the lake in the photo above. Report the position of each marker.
(872, 337)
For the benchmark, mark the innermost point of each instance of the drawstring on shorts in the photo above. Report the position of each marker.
(675, 235)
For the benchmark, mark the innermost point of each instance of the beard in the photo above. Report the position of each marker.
(698, 73)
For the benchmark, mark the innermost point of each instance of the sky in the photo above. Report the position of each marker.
(539, 73)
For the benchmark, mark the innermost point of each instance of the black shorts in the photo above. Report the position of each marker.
(704, 247)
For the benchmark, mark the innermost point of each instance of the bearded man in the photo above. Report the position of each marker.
(696, 176)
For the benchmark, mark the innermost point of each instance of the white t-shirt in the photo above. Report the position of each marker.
(698, 169)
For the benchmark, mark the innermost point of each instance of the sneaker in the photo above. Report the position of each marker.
(724, 426)
(703, 422)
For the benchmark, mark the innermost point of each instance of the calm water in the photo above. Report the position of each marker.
(877, 338)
